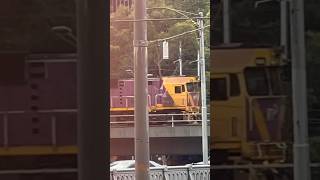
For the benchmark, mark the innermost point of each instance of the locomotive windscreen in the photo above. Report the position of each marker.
(193, 87)
(263, 81)
(256, 80)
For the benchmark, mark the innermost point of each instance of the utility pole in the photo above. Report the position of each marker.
(226, 22)
(198, 64)
(300, 117)
(141, 119)
(180, 58)
(203, 93)
(93, 91)
(284, 28)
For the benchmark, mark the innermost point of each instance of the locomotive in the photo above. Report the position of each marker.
(166, 95)
(249, 101)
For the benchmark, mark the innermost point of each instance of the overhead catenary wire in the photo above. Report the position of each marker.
(181, 12)
(156, 19)
(176, 36)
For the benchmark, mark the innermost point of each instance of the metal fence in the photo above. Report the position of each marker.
(166, 119)
(192, 172)
(160, 119)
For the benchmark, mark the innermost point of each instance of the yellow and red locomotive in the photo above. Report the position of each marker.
(166, 95)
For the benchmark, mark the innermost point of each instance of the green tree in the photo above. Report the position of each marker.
(121, 41)
(121, 44)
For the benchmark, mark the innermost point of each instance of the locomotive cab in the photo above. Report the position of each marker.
(170, 97)
(248, 100)
(181, 93)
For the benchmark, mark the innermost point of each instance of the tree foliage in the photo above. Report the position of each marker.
(121, 35)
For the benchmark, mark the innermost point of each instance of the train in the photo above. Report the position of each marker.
(38, 107)
(178, 95)
(250, 104)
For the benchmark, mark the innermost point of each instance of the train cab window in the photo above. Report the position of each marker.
(218, 89)
(256, 80)
(177, 89)
(183, 88)
(277, 85)
(234, 85)
(193, 87)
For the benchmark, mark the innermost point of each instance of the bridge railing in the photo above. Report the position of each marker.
(191, 172)
(53, 118)
(163, 119)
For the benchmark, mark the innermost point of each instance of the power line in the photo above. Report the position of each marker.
(178, 35)
(155, 19)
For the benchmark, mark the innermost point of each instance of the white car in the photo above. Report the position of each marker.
(125, 164)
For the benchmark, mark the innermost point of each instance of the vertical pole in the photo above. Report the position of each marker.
(203, 93)
(141, 119)
(93, 92)
(301, 144)
(284, 23)
(226, 21)
(198, 64)
(180, 58)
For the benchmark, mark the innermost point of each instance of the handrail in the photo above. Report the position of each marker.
(163, 121)
(53, 120)
(151, 115)
(76, 110)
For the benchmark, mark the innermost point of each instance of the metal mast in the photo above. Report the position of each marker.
(300, 118)
(180, 58)
(203, 92)
(226, 21)
(141, 120)
(284, 28)
(198, 64)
